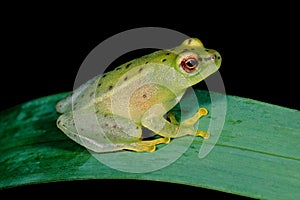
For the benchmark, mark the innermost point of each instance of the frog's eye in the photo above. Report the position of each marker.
(189, 64)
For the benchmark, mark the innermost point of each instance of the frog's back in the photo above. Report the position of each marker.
(100, 87)
(170, 68)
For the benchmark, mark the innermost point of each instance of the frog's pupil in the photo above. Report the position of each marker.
(191, 63)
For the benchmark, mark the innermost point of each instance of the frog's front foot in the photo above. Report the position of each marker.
(203, 134)
(191, 121)
(185, 127)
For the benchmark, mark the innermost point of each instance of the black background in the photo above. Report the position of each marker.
(42, 48)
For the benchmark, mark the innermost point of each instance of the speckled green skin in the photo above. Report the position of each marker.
(107, 113)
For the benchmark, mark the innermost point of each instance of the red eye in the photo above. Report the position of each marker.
(189, 64)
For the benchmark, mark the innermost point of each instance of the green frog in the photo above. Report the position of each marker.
(111, 111)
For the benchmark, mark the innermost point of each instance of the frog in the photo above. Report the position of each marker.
(111, 111)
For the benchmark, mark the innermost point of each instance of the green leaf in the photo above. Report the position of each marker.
(257, 153)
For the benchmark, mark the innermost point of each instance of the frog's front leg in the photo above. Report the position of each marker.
(188, 123)
(153, 119)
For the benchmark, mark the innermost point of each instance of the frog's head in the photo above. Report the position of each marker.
(196, 62)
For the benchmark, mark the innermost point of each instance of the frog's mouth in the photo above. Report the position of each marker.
(208, 70)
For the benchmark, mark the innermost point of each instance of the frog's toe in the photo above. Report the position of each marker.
(203, 134)
(172, 118)
(202, 112)
(166, 140)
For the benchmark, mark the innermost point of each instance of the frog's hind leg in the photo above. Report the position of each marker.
(78, 96)
(145, 145)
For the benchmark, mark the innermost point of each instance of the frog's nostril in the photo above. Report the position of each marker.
(213, 57)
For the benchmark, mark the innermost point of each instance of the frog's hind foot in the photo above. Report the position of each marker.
(146, 145)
